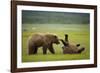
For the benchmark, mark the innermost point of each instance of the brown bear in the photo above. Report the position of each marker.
(42, 40)
(69, 48)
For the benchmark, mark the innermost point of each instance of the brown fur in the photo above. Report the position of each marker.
(42, 40)
(72, 49)
(69, 48)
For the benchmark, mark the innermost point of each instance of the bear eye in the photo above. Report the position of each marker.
(55, 36)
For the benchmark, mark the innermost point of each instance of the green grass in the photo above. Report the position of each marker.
(78, 33)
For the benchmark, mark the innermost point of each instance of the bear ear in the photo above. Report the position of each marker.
(77, 45)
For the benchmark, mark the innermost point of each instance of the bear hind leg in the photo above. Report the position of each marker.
(35, 50)
(30, 50)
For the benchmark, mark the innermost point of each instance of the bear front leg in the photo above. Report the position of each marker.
(51, 49)
(44, 49)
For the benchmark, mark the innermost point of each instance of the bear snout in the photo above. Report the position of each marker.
(82, 49)
(57, 42)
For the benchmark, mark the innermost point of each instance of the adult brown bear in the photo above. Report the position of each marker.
(42, 40)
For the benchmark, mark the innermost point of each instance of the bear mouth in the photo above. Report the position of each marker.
(57, 43)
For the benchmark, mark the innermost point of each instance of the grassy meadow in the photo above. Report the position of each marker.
(78, 33)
